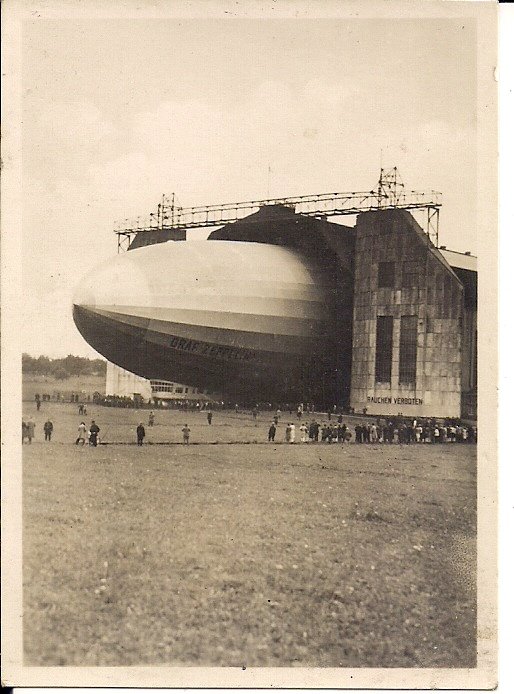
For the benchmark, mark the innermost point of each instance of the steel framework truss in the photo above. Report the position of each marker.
(390, 194)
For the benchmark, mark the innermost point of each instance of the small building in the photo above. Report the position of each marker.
(123, 383)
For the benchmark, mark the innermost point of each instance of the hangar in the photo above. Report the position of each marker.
(398, 314)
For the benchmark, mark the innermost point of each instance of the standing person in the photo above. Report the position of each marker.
(236, 408)
(299, 412)
(94, 430)
(254, 412)
(141, 433)
(303, 433)
(209, 417)
(82, 434)
(38, 402)
(23, 430)
(151, 419)
(48, 427)
(185, 433)
(30, 430)
(292, 433)
(272, 431)
(288, 433)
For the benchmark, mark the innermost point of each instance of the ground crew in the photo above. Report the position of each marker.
(140, 431)
(30, 430)
(48, 427)
(94, 430)
(82, 434)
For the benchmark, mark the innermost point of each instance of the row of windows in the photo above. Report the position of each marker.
(410, 277)
(167, 387)
(408, 349)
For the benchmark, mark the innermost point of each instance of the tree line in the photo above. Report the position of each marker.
(64, 367)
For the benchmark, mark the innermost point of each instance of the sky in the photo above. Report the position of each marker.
(118, 112)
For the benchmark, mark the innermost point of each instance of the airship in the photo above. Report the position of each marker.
(242, 318)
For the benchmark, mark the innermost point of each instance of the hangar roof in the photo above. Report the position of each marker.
(462, 261)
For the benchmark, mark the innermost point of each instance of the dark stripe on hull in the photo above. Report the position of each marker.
(222, 368)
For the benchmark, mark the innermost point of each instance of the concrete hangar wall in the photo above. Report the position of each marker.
(408, 321)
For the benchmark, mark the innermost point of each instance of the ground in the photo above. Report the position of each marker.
(250, 554)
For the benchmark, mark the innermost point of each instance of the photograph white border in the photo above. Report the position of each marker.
(13, 671)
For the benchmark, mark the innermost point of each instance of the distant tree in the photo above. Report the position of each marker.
(63, 368)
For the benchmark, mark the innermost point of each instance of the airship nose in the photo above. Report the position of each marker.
(120, 282)
(101, 303)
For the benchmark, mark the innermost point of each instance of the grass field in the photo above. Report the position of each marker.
(244, 555)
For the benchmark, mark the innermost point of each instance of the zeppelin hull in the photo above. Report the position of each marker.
(236, 317)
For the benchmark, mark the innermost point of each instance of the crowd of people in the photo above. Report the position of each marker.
(414, 431)
(403, 431)
(333, 429)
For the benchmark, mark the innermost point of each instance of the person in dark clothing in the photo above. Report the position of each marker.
(94, 430)
(209, 417)
(272, 431)
(48, 427)
(140, 431)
